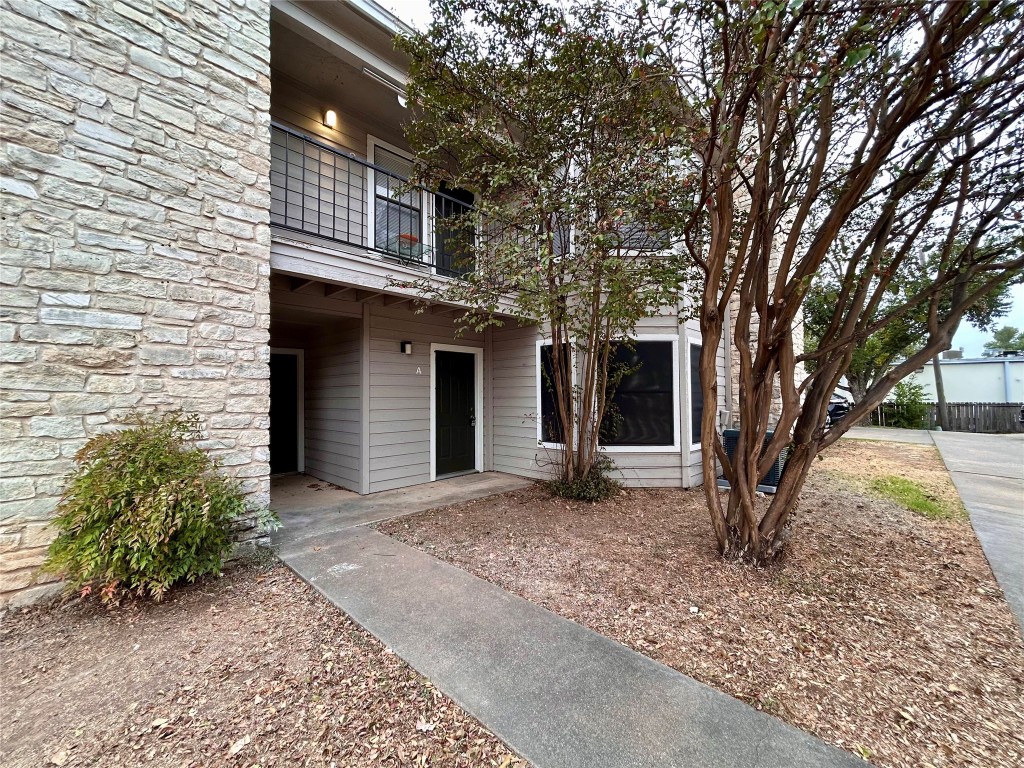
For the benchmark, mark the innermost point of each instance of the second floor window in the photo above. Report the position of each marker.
(397, 209)
(453, 241)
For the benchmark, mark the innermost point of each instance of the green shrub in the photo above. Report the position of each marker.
(143, 510)
(596, 485)
(910, 407)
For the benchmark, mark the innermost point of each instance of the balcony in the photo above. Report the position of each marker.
(320, 191)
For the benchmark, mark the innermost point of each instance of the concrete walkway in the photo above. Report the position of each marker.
(308, 507)
(988, 472)
(555, 692)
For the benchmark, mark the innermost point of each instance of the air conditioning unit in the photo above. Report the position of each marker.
(770, 482)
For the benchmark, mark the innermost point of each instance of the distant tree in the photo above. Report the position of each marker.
(876, 355)
(547, 113)
(911, 408)
(853, 132)
(1006, 340)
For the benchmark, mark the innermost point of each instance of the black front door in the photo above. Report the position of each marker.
(455, 419)
(284, 414)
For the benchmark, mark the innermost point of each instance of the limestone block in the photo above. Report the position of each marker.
(56, 426)
(15, 488)
(89, 318)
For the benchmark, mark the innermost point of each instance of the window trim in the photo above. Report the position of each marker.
(539, 383)
(690, 344)
(675, 446)
(426, 225)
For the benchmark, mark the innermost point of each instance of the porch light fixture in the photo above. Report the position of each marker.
(406, 347)
(331, 118)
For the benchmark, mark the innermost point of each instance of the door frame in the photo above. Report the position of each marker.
(478, 403)
(300, 385)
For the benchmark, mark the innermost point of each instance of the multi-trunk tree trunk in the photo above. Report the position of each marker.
(881, 139)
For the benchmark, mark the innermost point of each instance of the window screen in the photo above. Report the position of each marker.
(640, 410)
(696, 395)
(397, 216)
(550, 422)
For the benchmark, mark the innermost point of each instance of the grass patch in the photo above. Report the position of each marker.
(914, 497)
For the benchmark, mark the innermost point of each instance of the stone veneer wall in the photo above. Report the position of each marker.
(136, 241)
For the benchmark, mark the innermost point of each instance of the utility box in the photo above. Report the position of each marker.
(770, 482)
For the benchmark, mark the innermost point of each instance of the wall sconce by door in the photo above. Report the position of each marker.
(331, 118)
(406, 347)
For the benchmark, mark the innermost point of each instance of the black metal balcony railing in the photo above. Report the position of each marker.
(320, 191)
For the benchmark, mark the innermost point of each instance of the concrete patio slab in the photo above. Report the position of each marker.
(557, 693)
(297, 493)
(306, 512)
(988, 472)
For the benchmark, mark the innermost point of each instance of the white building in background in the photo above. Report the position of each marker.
(976, 380)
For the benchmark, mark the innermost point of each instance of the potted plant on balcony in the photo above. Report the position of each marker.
(408, 244)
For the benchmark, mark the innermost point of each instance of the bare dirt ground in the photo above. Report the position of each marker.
(883, 632)
(253, 668)
(857, 462)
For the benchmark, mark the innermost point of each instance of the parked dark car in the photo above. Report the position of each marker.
(838, 407)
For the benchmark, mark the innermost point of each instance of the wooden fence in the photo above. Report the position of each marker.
(999, 418)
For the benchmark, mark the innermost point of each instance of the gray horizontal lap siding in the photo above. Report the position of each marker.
(514, 421)
(399, 441)
(332, 408)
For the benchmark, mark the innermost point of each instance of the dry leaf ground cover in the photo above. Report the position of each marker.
(883, 632)
(252, 669)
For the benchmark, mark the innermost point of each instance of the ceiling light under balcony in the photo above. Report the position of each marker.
(331, 118)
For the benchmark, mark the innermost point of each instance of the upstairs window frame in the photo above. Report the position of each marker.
(424, 235)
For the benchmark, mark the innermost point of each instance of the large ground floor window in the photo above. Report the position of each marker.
(549, 422)
(642, 412)
(643, 407)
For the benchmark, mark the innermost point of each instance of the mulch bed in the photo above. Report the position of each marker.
(253, 668)
(882, 632)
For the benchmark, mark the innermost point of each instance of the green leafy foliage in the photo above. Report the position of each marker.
(558, 118)
(899, 338)
(911, 408)
(596, 485)
(1005, 341)
(143, 510)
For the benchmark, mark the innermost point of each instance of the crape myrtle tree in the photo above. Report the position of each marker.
(876, 355)
(547, 113)
(862, 132)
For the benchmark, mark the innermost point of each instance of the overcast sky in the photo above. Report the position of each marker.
(973, 340)
(414, 12)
